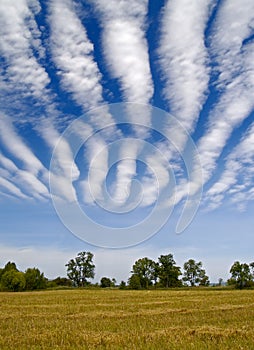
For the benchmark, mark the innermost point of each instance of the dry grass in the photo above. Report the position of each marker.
(115, 319)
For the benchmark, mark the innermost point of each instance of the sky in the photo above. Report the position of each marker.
(127, 130)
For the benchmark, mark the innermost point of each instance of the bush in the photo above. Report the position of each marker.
(62, 281)
(34, 279)
(105, 282)
(134, 282)
(122, 285)
(13, 280)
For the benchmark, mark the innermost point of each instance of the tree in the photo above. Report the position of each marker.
(241, 275)
(252, 270)
(105, 282)
(134, 282)
(113, 282)
(168, 271)
(61, 281)
(220, 280)
(122, 285)
(194, 274)
(8, 266)
(145, 269)
(13, 280)
(34, 279)
(203, 279)
(80, 269)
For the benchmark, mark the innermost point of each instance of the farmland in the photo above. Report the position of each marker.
(123, 319)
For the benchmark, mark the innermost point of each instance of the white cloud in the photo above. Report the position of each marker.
(11, 188)
(236, 71)
(19, 37)
(30, 178)
(126, 169)
(233, 25)
(31, 185)
(238, 174)
(13, 142)
(64, 169)
(97, 154)
(184, 58)
(72, 53)
(125, 46)
(126, 52)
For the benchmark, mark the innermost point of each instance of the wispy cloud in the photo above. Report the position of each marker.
(20, 41)
(97, 155)
(185, 70)
(125, 46)
(72, 53)
(17, 146)
(126, 52)
(126, 169)
(65, 170)
(184, 58)
(8, 186)
(238, 174)
(32, 176)
(235, 57)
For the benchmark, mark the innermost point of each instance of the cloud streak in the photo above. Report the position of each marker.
(184, 58)
(20, 42)
(125, 46)
(126, 52)
(235, 57)
(72, 53)
(18, 148)
(31, 178)
(238, 174)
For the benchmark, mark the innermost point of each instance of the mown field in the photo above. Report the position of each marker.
(116, 319)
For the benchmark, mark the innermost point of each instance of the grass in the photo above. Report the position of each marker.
(115, 319)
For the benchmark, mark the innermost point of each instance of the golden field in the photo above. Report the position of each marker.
(123, 319)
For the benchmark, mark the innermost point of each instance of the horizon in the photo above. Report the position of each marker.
(127, 130)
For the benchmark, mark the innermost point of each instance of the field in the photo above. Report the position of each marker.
(116, 319)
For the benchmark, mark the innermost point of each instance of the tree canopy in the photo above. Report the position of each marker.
(168, 271)
(80, 269)
(12, 279)
(146, 272)
(241, 275)
(194, 274)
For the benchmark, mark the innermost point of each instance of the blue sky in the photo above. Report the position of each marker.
(151, 107)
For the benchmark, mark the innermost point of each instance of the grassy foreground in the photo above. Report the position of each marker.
(115, 319)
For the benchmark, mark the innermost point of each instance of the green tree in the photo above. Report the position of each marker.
(13, 280)
(203, 279)
(241, 275)
(122, 285)
(34, 279)
(105, 282)
(220, 280)
(113, 282)
(252, 270)
(194, 274)
(9, 266)
(168, 271)
(134, 282)
(145, 269)
(80, 269)
(61, 281)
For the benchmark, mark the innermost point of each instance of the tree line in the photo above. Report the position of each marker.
(146, 273)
